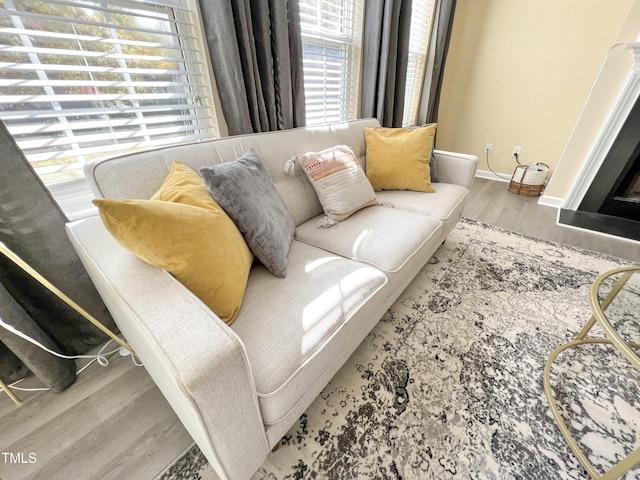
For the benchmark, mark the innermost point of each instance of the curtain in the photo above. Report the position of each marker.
(434, 73)
(32, 227)
(256, 53)
(385, 56)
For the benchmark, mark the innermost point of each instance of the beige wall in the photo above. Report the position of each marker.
(609, 83)
(519, 73)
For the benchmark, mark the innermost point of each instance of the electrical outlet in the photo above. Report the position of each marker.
(516, 152)
(488, 147)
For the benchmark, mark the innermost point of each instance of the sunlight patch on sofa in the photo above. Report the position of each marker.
(325, 312)
(358, 241)
(313, 265)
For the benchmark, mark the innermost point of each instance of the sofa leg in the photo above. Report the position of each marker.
(274, 449)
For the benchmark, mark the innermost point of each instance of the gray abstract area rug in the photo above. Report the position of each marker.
(449, 383)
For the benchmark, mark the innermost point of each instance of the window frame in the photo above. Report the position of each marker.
(73, 194)
(419, 57)
(348, 41)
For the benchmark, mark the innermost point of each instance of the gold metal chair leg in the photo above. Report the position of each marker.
(12, 396)
(621, 467)
(53, 289)
(605, 303)
(557, 416)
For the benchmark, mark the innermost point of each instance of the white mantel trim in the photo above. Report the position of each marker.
(608, 134)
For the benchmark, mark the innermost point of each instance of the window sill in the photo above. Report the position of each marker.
(74, 198)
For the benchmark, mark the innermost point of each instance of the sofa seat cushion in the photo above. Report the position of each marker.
(445, 204)
(384, 237)
(293, 327)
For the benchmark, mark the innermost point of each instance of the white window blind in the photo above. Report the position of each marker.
(419, 36)
(81, 79)
(331, 44)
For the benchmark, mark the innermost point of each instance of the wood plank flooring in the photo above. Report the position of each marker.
(113, 423)
(491, 202)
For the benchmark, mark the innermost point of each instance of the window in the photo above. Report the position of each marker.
(331, 33)
(81, 79)
(419, 36)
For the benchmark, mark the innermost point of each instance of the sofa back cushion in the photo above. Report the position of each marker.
(139, 175)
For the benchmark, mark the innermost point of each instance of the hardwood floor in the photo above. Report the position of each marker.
(491, 202)
(113, 423)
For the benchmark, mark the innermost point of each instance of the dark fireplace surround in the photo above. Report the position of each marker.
(610, 203)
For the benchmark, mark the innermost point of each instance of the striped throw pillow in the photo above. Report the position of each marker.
(339, 181)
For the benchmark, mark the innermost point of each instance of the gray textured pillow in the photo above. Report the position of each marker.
(244, 189)
(433, 168)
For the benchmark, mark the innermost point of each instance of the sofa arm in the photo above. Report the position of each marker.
(456, 168)
(196, 360)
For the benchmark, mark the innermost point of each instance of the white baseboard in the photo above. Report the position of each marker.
(545, 200)
(550, 201)
(492, 176)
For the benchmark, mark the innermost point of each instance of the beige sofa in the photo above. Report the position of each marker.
(239, 388)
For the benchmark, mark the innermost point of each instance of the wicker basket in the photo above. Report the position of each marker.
(529, 179)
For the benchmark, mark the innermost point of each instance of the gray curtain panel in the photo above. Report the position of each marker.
(256, 52)
(434, 73)
(385, 56)
(56, 373)
(32, 226)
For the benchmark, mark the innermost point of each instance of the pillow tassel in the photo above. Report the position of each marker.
(290, 165)
(326, 222)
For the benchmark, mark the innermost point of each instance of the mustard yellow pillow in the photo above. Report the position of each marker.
(183, 185)
(398, 158)
(183, 230)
